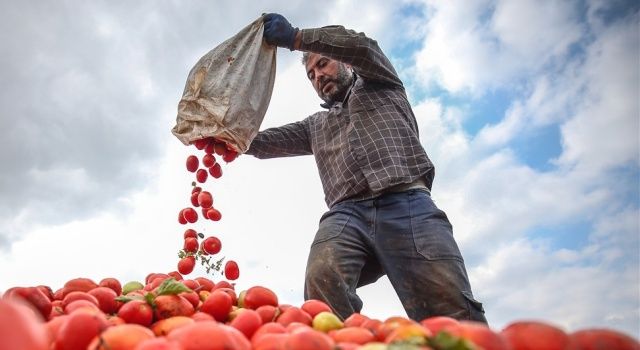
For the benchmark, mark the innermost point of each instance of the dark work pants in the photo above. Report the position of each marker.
(403, 235)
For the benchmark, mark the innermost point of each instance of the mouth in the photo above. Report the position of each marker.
(326, 87)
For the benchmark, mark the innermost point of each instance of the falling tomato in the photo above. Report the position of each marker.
(186, 265)
(201, 175)
(192, 163)
(212, 245)
(231, 270)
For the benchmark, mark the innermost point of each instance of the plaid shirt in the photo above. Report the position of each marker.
(364, 145)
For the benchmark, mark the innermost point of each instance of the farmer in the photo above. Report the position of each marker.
(376, 178)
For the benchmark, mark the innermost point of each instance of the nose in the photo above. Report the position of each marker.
(319, 79)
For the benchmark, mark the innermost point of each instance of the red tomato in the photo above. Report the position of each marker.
(202, 251)
(223, 284)
(314, 307)
(206, 283)
(181, 218)
(216, 171)
(601, 338)
(214, 214)
(268, 313)
(186, 265)
(201, 175)
(258, 296)
(190, 233)
(247, 322)
(20, 327)
(230, 156)
(210, 147)
(231, 270)
(176, 275)
(190, 245)
(35, 297)
(136, 311)
(106, 299)
(204, 213)
(194, 200)
(192, 163)
(208, 160)
(78, 295)
(111, 283)
(218, 304)
(220, 148)
(79, 329)
(190, 215)
(200, 144)
(211, 245)
(205, 199)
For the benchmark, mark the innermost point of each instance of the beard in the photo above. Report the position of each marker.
(342, 82)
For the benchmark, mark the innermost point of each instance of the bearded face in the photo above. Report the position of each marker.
(335, 88)
(330, 78)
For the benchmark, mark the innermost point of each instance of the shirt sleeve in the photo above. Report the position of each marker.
(355, 49)
(283, 141)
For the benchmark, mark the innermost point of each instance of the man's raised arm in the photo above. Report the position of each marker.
(336, 42)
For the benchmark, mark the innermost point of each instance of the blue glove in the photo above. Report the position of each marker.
(278, 31)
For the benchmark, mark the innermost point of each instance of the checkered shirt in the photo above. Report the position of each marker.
(364, 145)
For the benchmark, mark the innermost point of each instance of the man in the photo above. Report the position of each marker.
(376, 178)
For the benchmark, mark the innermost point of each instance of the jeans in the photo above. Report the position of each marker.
(403, 235)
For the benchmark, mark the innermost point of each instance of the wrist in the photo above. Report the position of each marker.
(292, 42)
(297, 40)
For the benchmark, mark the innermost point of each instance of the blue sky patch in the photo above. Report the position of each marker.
(572, 235)
(538, 147)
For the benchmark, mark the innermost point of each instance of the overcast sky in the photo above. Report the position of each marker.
(529, 110)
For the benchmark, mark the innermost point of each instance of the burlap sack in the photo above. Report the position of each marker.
(228, 91)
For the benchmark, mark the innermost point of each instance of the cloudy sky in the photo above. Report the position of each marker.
(529, 110)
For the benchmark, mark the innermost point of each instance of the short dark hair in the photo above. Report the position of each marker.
(305, 57)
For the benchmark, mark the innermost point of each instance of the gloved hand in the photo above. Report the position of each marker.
(278, 31)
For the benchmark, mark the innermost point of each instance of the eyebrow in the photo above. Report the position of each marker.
(315, 64)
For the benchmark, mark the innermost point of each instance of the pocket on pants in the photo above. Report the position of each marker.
(332, 223)
(432, 232)
(476, 310)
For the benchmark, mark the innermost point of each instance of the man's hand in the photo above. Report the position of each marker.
(278, 31)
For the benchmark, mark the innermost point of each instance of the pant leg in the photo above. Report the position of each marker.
(415, 245)
(336, 260)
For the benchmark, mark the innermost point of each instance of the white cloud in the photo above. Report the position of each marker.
(442, 134)
(479, 46)
(453, 49)
(604, 131)
(497, 203)
(534, 30)
(526, 280)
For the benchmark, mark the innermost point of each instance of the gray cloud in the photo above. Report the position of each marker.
(88, 96)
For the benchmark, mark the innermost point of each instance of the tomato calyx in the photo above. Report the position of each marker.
(204, 258)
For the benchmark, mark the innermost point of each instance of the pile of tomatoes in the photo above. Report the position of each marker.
(170, 312)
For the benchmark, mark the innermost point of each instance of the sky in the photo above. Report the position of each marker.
(529, 110)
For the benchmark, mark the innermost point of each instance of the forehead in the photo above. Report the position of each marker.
(313, 60)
